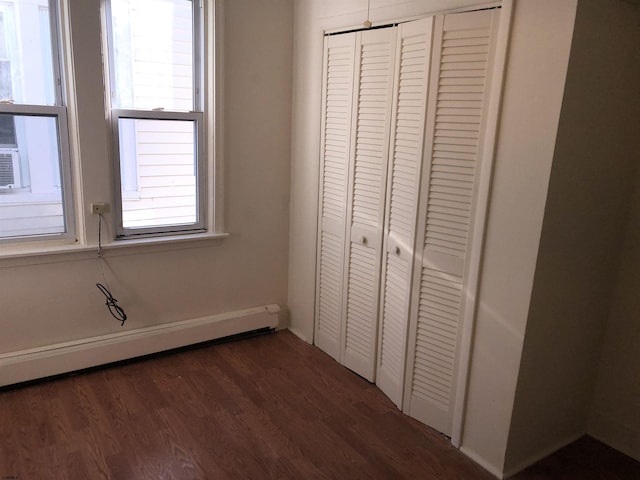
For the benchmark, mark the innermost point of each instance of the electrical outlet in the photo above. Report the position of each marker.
(98, 208)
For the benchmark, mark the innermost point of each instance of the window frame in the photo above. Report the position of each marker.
(196, 115)
(199, 154)
(85, 142)
(58, 111)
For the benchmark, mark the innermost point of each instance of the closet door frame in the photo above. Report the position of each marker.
(476, 245)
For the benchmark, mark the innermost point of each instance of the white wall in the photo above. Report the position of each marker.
(533, 89)
(615, 415)
(587, 205)
(50, 299)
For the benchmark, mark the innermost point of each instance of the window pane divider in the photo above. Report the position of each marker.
(21, 109)
(156, 114)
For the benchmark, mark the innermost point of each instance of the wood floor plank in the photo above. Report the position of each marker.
(75, 466)
(270, 407)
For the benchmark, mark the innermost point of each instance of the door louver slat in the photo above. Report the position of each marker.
(451, 160)
(374, 81)
(334, 159)
(406, 153)
(330, 285)
(362, 294)
(338, 112)
(459, 80)
(375, 77)
(438, 314)
(393, 316)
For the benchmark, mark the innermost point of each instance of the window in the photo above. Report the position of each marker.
(35, 194)
(155, 78)
(136, 141)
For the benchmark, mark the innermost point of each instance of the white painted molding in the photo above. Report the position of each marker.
(500, 473)
(215, 118)
(489, 467)
(623, 436)
(41, 362)
(299, 334)
(533, 458)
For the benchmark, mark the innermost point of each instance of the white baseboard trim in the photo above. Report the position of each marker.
(41, 362)
(298, 334)
(489, 467)
(545, 452)
(503, 473)
(619, 435)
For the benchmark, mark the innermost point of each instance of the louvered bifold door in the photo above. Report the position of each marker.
(406, 151)
(339, 62)
(462, 58)
(375, 52)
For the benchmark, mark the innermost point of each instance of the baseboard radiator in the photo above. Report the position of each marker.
(35, 363)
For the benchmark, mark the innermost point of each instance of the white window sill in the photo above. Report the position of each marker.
(34, 254)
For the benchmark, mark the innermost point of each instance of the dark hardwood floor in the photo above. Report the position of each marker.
(270, 407)
(585, 459)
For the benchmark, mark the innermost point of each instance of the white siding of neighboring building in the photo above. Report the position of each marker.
(166, 180)
(20, 218)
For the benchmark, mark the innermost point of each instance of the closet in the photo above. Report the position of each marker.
(404, 115)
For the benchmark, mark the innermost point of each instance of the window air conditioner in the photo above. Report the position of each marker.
(9, 169)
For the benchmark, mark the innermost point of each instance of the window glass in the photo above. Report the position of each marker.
(6, 94)
(162, 155)
(152, 45)
(31, 203)
(32, 126)
(25, 44)
(3, 48)
(5, 64)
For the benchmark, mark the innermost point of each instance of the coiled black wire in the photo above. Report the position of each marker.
(112, 304)
(115, 310)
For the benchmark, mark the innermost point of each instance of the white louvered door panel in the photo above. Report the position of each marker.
(375, 53)
(406, 151)
(463, 49)
(339, 62)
